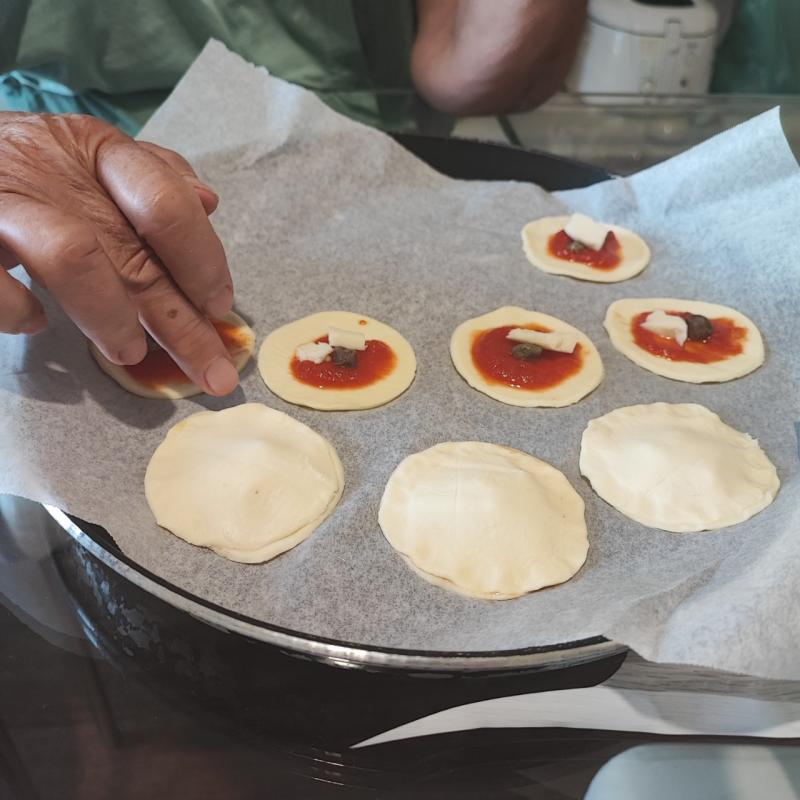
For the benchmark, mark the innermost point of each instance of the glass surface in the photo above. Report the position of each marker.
(624, 134)
(106, 692)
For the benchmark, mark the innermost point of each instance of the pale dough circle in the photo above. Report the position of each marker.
(676, 467)
(247, 482)
(535, 238)
(485, 520)
(277, 351)
(618, 324)
(175, 391)
(565, 393)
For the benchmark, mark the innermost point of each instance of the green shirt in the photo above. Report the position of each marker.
(119, 59)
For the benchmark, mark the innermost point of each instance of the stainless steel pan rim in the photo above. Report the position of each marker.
(343, 654)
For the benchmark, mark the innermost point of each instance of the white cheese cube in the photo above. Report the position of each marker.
(352, 340)
(313, 351)
(560, 341)
(585, 230)
(667, 325)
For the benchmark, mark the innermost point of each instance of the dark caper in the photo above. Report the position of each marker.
(526, 351)
(343, 357)
(575, 247)
(698, 328)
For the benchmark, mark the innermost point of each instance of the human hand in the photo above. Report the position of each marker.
(117, 231)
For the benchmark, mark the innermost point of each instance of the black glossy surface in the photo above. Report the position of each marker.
(106, 692)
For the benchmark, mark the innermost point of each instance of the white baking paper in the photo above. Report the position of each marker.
(318, 212)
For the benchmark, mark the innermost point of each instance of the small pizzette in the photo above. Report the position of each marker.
(247, 482)
(548, 246)
(371, 365)
(493, 357)
(677, 467)
(715, 344)
(484, 520)
(158, 376)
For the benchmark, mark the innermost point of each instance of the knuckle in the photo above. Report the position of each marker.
(76, 255)
(141, 274)
(163, 214)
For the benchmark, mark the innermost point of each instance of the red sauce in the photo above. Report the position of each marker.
(491, 354)
(158, 369)
(372, 364)
(607, 257)
(724, 342)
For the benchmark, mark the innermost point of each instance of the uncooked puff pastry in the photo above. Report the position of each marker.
(174, 391)
(248, 482)
(536, 236)
(485, 520)
(565, 393)
(278, 350)
(618, 324)
(676, 467)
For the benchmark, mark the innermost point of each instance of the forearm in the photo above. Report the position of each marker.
(479, 57)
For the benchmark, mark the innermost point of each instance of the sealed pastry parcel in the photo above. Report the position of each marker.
(319, 213)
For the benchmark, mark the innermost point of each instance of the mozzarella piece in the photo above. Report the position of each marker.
(569, 391)
(618, 324)
(314, 351)
(560, 341)
(352, 340)
(676, 467)
(585, 230)
(668, 325)
(248, 482)
(484, 520)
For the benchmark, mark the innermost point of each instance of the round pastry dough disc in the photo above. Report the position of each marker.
(248, 482)
(565, 393)
(618, 324)
(676, 467)
(240, 355)
(485, 520)
(278, 350)
(536, 236)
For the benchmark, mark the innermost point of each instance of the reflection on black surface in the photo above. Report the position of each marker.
(144, 701)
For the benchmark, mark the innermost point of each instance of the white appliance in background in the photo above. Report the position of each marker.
(646, 47)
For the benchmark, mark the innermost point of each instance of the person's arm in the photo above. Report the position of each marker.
(482, 57)
(117, 231)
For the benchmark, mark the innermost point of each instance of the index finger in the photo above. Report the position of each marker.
(166, 212)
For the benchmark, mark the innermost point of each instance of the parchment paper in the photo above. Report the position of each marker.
(318, 212)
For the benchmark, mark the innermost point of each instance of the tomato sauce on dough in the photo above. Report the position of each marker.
(607, 257)
(372, 364)
(491, 355)
(725, 341)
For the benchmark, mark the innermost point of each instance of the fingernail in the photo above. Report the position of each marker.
(35, 325)
(134, 352)
(221, 376)
(221, 303)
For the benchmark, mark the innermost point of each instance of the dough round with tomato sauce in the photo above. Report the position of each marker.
(676, 467)
(240, 341)
(568, 391)
(484, 520)
(247, 482)
(536, 239)
(619, 324)
(277, 354)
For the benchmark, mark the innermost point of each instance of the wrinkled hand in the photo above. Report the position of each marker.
(117, 231)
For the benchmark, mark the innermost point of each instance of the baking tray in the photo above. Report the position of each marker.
(457, 158)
